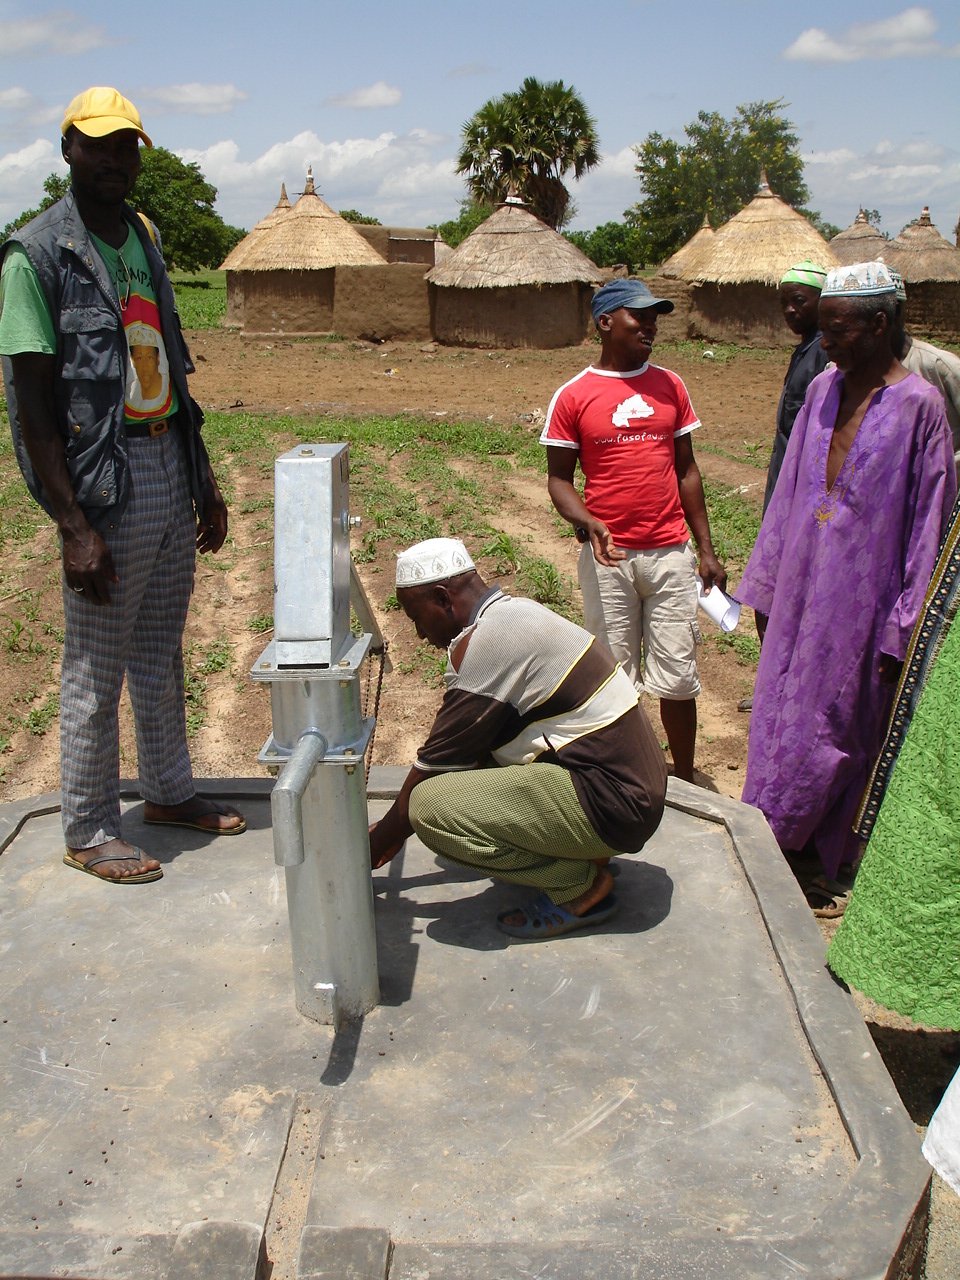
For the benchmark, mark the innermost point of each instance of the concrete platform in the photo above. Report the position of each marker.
(683, 1093)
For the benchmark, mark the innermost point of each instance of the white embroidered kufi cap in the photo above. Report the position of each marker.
(432, 561)
(859, 280)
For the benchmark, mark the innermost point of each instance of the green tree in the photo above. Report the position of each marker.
(716, 171)
(175, 195)
(610, 244)
(456, 230)
(530, 139)
(55, 186)
(354, 215)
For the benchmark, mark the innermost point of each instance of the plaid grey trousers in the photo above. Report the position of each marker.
(140, 633)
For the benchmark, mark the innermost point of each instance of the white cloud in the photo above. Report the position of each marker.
(59, 32)
(405, 179)
(898, 178)
(21, 176)
(195, 99)
(14, 99)
(380, 94)
(911, 34)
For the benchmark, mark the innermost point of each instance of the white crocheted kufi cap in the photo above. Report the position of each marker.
(432, 561)
(860, 280)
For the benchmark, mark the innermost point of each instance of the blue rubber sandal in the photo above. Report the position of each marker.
(545, 919)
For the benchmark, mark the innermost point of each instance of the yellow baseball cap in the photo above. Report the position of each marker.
(99, 111)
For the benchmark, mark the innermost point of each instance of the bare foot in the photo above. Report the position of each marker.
(602, 885)
(127, 863)
(199, 813)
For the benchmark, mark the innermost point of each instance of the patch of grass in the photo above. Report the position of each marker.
(201, 298)
(261, 622)
(745, 646)
(256, 504)
(429, 662)
(54, 632)
(734, 523)
(217, 658)
(39, 719)
(194, 689)
(19, 641)
(505, 552)
(392, 604)
(540, 580)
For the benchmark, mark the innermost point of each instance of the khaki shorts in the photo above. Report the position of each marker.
(647, 604)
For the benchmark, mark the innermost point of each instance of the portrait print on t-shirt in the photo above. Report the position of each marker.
(148, 370)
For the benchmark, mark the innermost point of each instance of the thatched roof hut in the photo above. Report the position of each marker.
(860, 242)
(514, 282)
(280, 277)
(735, 298)
(930, 266)
(688, 259)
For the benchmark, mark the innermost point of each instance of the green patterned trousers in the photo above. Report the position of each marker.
(522, 823)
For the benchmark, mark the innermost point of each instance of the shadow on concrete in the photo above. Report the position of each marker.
(343, 1054)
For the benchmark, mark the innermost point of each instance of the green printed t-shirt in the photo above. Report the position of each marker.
(26, 325)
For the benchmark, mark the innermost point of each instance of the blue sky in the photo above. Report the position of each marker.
(373, 94)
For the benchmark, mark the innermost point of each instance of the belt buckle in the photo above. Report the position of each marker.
(157, 428)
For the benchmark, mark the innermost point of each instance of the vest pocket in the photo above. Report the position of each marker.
(90, 349)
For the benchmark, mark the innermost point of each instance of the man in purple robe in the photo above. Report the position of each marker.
(840, 568)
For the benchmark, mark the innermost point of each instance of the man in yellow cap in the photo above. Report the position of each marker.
(129, 484)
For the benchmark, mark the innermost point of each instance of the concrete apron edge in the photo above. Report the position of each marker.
(890, 1187)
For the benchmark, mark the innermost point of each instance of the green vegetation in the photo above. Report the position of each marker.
(743, 644)
(201, 298)
(39, 719)
(354, 215)
(530, 139)
(471, 214)
(217, 658)
(715, 172)
(734, 523)
(261, 622)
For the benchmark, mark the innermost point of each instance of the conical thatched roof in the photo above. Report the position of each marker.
(921, 253)
(761, 243)
(310, 236)
(241, 251)
(512, 248)
(860, 243)
(687, 260)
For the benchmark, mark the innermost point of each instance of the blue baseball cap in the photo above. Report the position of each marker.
(629, 293)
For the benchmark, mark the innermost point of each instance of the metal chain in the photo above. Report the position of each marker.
(376, 702)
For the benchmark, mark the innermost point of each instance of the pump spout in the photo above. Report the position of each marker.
(286, 800)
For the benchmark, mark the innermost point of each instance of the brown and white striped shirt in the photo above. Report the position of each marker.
(534, 686)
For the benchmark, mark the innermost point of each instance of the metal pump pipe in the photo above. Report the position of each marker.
(319, 805)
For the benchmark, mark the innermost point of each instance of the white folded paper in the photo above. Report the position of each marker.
(718, 607)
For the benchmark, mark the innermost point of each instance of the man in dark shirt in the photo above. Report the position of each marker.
(799, 301)
(580, 774)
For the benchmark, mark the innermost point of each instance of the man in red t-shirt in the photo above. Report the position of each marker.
(629, 423)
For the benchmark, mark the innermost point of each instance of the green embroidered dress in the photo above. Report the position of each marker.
(899, 941)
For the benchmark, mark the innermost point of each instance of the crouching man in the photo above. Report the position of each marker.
(580, 778)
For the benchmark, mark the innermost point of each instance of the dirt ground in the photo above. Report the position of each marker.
(735, 396)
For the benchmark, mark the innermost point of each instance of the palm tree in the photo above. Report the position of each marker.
(529, 140)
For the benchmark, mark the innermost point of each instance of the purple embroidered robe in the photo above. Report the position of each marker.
(841, 575)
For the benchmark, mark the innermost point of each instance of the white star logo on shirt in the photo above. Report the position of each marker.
(633, 407)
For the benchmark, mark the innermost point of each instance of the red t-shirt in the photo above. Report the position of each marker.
(624, 426)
